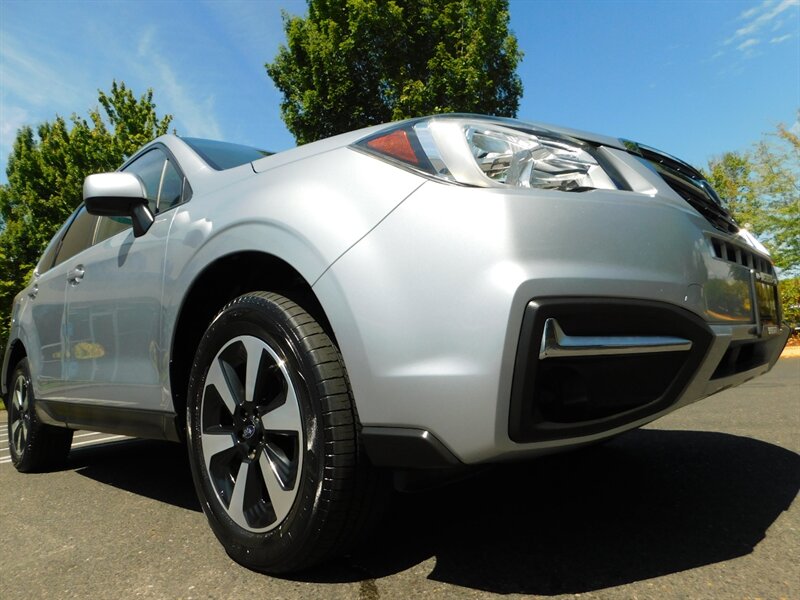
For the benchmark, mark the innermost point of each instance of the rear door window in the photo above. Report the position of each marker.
(49, 254)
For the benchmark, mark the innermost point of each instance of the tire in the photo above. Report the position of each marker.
(34, 446)
(273, 437)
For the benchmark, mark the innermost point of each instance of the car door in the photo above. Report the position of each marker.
(113, 311)
(45, 300)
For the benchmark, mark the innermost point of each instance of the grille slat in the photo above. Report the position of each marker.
(689, 184)
(737, 255)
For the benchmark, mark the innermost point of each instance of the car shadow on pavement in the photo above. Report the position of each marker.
(650, 503)
(157, 470)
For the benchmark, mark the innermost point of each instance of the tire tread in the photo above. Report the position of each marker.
(47, 447)
(350, 486)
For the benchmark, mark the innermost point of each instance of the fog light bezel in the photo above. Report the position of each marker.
(599, 317)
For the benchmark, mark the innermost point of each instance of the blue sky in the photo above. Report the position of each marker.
(693, 78)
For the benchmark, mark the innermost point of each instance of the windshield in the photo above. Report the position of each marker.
(222, 155)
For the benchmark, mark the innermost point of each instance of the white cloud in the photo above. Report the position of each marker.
(191, 109)
(752, 11)
(35, 80)
(11, 119)
(762, 22)
(759, 17)
(145, 46)
(35, 83)
(256, 28)
(747, 44)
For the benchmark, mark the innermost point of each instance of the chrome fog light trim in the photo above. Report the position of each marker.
(556, 343)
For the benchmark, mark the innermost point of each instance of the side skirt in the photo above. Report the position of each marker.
(148, 424)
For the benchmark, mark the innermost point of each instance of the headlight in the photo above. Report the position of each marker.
(488, 154)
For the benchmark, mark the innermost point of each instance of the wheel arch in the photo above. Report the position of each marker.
(16, 352)
(243, 271)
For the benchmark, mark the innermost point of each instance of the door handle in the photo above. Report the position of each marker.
(76, 274)
(33, 291)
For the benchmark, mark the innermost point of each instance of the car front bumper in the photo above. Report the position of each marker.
(440, 314)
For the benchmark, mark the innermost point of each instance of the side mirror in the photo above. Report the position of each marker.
(118, 195)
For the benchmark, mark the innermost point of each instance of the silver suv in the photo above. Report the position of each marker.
(496, 290)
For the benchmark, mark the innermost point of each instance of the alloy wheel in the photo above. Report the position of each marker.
(251, 433)
(20, 416)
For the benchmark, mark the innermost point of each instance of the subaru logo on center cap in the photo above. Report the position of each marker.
(248, 431)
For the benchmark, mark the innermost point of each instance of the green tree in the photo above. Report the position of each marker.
(354, 63)
(762, 187)
(46, 170)
(733, 177)
(790, 300)
(779, 167)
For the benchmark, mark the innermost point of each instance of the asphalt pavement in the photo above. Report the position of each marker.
(700, 504)
(79, 439)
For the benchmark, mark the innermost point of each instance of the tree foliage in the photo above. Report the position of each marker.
(46, 169)
(354, 63)
(762, 187)
(790, 300)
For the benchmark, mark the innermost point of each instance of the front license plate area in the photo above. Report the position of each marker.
(767, 304)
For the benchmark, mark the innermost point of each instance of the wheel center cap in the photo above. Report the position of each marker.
(249, 431)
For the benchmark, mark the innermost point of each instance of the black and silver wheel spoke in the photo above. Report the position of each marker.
(281, 496)
(19, 415)
(215, 442)
(255, 359)
(219, 376)
(18, 435)
(282, 445)
(286, 414)
(245, 495)
(251, 432)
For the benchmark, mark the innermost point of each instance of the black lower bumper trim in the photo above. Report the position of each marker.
(566, 396)
(406, 448)
(746, 355)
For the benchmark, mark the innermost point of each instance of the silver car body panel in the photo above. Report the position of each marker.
(309, 232)
(431, 355)
(424, 283)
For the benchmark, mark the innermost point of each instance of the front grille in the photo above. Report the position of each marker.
(688, 183)
(737, 255)
(714, 213)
